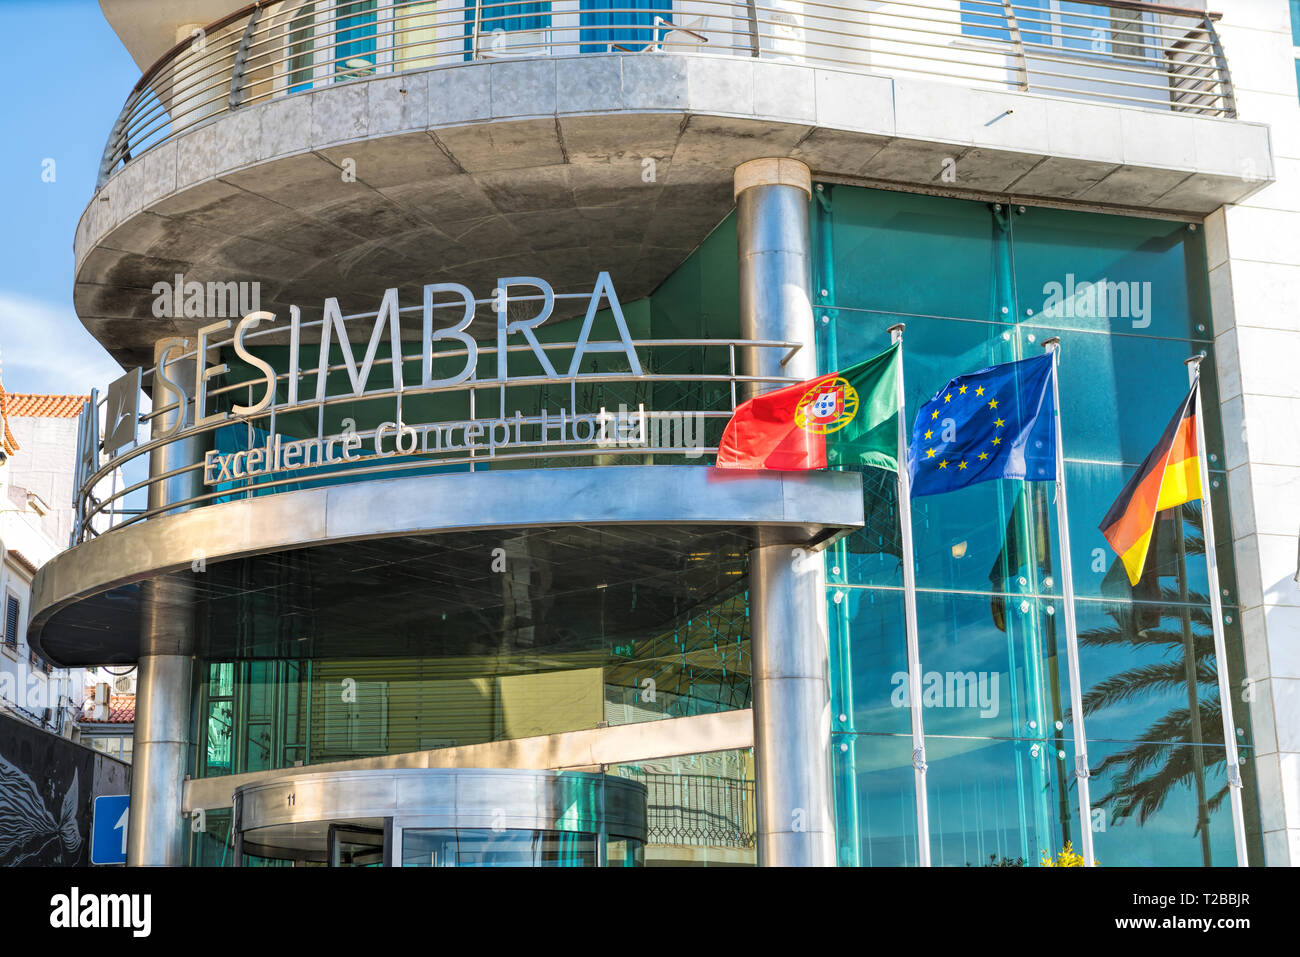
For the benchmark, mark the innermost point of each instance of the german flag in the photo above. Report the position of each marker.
(1169, 476)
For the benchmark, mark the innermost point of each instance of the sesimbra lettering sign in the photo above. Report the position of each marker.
(449, 358)
(387, 319)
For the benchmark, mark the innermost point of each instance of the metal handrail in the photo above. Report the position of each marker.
(698, 810)
(1153, 55)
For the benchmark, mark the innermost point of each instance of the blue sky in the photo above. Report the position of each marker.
(62, 110)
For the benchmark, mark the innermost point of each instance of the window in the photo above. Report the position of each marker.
(1081, 28)
(326, 39)
(354, 51)
(629, 25)
(11, 621)
(988, 21)
(1295, 38)
(510, 17)
(302, 41)
(39, 664)
(220, 718)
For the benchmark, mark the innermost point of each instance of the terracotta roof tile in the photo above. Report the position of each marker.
(121, 710)
(24, 405)
(23, 560)
(8, 444)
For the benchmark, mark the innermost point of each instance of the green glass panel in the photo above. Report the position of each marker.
(1136, 661)
(1176, 561)
(1166, 805)
(221, 674)
(481, 847)
(625, 852)
(995, 667)
(1153, 271)
(869, 649)
(989, 668)
(916, 255)
(220, 738)
(996, 803)
(876, 802)
(211, 846)
(260, 688)
(553, 646)
(1118, 393)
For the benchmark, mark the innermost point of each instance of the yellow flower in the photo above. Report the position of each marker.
(1067, 858)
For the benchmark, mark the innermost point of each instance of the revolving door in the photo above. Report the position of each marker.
(442, 817)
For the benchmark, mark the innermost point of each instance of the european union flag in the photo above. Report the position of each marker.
(992, 424)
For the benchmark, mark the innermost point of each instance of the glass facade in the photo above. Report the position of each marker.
(483, 847)
(563, 641)
(978, 284)
(573, 631)
(569, 646)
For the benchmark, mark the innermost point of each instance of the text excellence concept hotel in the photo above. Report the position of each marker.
(432, 316)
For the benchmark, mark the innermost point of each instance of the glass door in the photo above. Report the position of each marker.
(349, 845)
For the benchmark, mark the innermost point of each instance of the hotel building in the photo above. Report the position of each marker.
(431, 315)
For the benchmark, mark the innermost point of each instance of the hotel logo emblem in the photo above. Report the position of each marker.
(827, 407)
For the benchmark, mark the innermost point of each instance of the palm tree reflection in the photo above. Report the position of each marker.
(1180, 746)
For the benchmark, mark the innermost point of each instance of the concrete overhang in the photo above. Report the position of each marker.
(81, 614)
(149, 28)
(561, 167)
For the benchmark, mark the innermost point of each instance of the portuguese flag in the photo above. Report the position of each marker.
(1169, 476)
(842, 418)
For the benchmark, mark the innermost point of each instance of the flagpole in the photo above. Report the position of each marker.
(1053, 345)
(909, 615)
(1216, 617)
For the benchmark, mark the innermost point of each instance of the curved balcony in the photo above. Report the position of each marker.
(1121, 52)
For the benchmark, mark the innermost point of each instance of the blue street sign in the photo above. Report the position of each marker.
(108, 829)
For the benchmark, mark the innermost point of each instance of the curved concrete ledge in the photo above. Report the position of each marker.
(564, 166)
(285, 812)
(800, 508)
(587, 750)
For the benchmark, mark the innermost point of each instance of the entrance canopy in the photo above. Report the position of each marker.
(459, 564)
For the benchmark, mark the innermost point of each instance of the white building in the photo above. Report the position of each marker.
(38, 437)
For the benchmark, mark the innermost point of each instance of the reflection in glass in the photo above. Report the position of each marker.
(995, 803)
(581, 628)
(1165, 821)
(978, 283)
(875, 803)
(484, 847)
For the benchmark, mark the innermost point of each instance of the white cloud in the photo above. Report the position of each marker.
(47, 350)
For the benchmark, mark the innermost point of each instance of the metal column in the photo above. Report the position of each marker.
(792, 720)
(155, 833)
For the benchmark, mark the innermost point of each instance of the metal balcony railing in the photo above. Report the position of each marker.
(114, 482)
(1119, 52)
(698, 810)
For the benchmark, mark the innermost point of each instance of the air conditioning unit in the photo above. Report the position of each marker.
(122, 684)
(100, 711)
